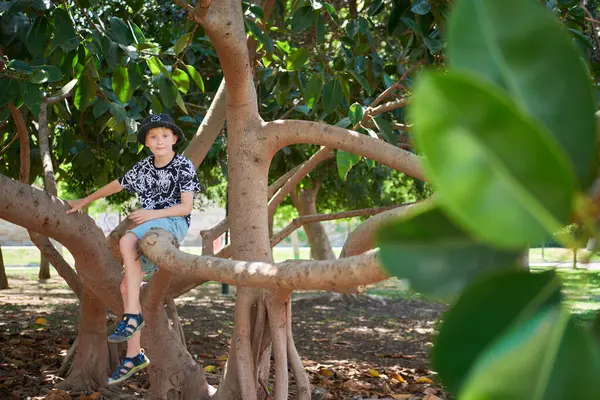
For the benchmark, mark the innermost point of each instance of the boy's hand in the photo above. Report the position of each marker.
(76, 205)
(141, 216)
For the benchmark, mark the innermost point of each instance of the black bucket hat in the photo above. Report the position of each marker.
(157, 121)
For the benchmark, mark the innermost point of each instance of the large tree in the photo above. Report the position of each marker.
(263, 308)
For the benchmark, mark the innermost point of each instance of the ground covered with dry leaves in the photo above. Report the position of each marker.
(367, 348)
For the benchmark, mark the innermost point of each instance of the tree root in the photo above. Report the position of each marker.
(174, 316)
(302, 382)
(66, 364)
(243, 347)
(278, 322)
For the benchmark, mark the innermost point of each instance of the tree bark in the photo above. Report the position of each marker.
(362, 238)
(3, 278)
(306, 204)
(44, 273)
(91, 364)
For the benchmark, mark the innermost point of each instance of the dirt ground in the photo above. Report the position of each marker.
(368, 348)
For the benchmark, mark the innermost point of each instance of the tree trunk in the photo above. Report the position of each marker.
(91, 364)
(44, 273)
(3, 279)
(306, 204)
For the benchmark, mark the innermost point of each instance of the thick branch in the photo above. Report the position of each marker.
(331, 275)
(282, 180)
(49, 180)
(361, 239)
(288, 132)
(309, 219)
(223, 22)
(209, 130)
(24, 142)
(56, 259)
(323, 154)
(37, 211)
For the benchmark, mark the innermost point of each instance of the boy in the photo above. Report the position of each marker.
(165, 182)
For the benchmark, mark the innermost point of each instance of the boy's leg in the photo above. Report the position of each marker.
(133, 344)
(133, 273)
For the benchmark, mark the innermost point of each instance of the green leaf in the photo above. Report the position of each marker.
(120, 84)
(157, 67)
(112, 55)
(131, 126)
(85, 91)
(39, 76)
(496, 172)
(138, 35)
(32, 96)
(345, 161)
(182, 80)
(320, 29)
(20, 66)
(297, 59)
(312, 94)
(181, 43)
(345, 85)
(64, 31)
(537, 63)
(196, 77)
(302, 19)
(118, 111)
(420, 7)
(362, 81)
(351, 28)
(331, 10)
(260, 35)
(494, 303)
(332, 96)
(168, 91)
(100, 108)
(548, 356)
(375, 8)
(38, 36)
(433, 45)
(434, 255)
(385, 130)
(120, 31)
(355, 113)
(54, 74)
(181, 103)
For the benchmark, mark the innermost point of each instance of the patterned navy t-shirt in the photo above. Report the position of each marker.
(160, 188)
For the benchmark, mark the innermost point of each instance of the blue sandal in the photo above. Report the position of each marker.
(125, 330)
(124, 371)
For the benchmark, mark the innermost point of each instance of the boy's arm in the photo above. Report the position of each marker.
(179, 210)
(105, 191)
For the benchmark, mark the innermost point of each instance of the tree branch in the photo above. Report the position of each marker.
(209, 129)
(24, 142)
(361, 239)
(331, 275)
(37, 211)
(309, 219)
(282, 180)
(389, 106)
(323, 154)
(287, 132)
(56, 259)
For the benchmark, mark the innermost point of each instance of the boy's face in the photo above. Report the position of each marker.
(160, 141)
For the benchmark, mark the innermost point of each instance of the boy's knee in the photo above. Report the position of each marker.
(128, 243)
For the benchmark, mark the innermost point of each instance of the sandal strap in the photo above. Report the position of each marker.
(124, 325)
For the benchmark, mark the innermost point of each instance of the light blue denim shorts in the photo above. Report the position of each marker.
(176, 225)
